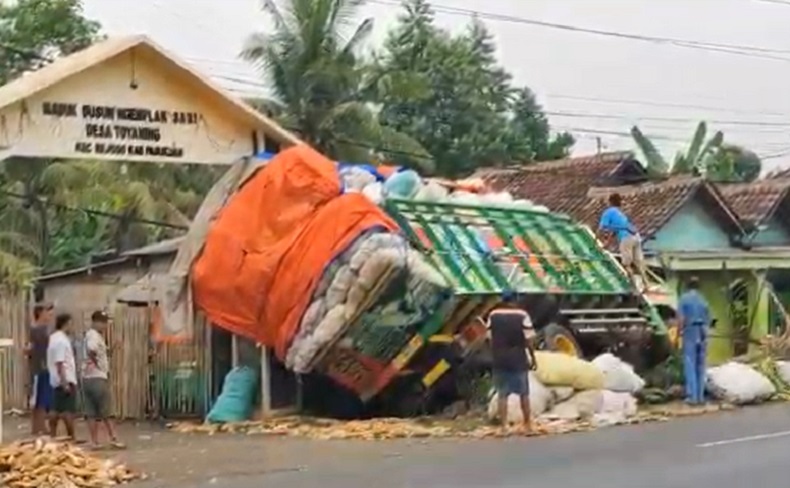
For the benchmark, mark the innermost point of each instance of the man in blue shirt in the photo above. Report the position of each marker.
(693, 322)
(615, 222)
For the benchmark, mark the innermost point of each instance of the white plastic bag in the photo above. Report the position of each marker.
(783, 368)
(739, 384)
(539, 402)
(432, 192)
(374, 192)
(618, 375)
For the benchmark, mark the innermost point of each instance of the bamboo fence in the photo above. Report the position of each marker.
(13, 363)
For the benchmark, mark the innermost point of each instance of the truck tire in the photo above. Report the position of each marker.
(560, 339)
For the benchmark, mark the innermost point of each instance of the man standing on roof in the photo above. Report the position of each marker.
(614, 222)
(511, 333)
(693, 322)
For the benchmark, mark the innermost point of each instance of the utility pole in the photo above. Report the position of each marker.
(599, 144)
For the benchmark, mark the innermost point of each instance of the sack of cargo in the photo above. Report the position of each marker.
(582, 405)
(557, 369)
(783, 368)
(539, 402)
(739, 384)
(236, 400)
(618, 375)
(404, 184)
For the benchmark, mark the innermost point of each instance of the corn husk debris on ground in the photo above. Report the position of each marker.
(44, 463)
(470, 427)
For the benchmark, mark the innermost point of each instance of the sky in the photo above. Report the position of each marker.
(593, 85)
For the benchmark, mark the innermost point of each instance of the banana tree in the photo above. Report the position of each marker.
(697, 160)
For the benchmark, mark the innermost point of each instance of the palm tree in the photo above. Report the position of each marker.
(312, 63)
(697, 160)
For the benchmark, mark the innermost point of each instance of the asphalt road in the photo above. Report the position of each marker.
(742, 449)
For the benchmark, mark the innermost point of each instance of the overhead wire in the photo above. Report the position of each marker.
(736, 49)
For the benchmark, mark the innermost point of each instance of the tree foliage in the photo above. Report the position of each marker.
(711, 158)
(36, 31)
(450, 93)
(312, 64)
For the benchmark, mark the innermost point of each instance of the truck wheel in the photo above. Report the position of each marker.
(559, 339)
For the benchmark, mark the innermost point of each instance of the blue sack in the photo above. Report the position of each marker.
(236, 401)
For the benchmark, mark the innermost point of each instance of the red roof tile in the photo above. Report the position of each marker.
(756, 201)
(562, 185)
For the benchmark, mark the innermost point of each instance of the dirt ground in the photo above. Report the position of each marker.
(175, 460)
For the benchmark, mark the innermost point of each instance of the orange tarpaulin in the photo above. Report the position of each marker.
(268, 247)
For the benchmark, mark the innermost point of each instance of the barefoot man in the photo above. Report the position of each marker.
(511, 331)
(95, 383)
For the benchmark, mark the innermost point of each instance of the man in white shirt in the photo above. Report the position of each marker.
(62, 369)
(95, 383)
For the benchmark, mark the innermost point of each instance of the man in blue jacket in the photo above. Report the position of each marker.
(693, 321)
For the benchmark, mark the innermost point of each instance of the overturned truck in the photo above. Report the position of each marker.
(384, 298)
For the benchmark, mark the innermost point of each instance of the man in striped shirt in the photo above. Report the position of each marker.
(511, 333)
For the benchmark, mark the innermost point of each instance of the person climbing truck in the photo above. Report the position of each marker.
(694, 319)
(615, 223)
(511, 333)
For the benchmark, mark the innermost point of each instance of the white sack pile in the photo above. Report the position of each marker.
(409, 184)
(739, 384)
(347, 286)
(569, 388)
(618, 375)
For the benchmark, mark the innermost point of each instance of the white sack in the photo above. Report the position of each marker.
(582, 405)
(618, 375)
(783, 368)
(374, 192)
(302, 353)
(618, 403)
(739, 384)
(539, 402)
(561, 393)
(355, 179)
(341, 284)
(432, 192)
(422, 270)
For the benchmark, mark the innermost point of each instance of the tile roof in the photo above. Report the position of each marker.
(651, 205)
(562, 185)
(757, 201)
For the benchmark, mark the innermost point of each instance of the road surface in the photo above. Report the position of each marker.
(743, 449)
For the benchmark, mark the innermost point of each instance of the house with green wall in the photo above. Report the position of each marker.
(734, 238)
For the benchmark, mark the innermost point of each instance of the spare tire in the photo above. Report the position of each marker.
(557, 338)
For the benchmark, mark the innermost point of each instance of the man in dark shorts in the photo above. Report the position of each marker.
(40, 388)
(513, 355)
(62, 368)
(95, 380)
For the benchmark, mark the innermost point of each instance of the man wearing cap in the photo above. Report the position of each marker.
(40, 388)
(95, 375)
(511, 332)
(693, 322)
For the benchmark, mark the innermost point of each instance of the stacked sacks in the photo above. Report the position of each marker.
(408, 184)
(348, 286)
(568, 388)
